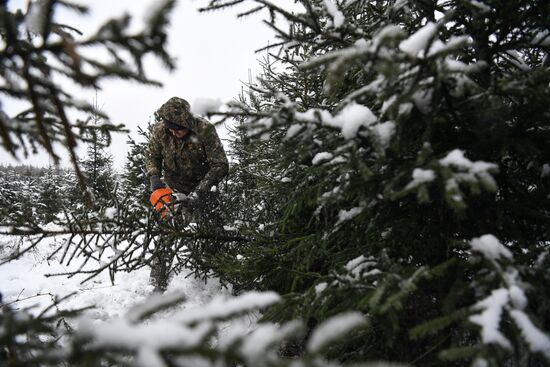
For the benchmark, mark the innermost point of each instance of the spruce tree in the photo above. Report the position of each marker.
(98, 169)
(404, 130)
(134, 179)
(50, 201)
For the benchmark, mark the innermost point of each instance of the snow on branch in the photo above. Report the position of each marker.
(490, 247)
(507, 301)
(221, 308)
(490, 318)
(333, 329)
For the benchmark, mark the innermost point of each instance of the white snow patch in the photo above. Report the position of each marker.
(153, 302)
(517, 296)
(351, 118)
(484, 8)
(480, 362)
(490, 247)
(457, 159)
(334, 328)
(345, 215)
(537, 340)
(319, 288)
(420, 176)
(337, 16)
(320, 157)
(293, 130)
(419, 40)
(354, 263)
(384, 132)
(220, 307)
(147, 339)
(110, 213)
(489, 319)
(357, 267)
(388, 32)
(265, 336)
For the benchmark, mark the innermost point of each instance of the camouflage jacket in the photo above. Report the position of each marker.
(194, 164)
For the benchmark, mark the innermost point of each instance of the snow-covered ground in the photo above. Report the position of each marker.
(23, 283)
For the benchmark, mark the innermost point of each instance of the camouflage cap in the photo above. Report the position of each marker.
(176, 111)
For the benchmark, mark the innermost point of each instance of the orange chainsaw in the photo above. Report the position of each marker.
(167, 202)
(163, 201)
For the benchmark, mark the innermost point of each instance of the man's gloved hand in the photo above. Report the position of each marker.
(156, 183)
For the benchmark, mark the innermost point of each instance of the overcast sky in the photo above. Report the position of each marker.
(214, 52)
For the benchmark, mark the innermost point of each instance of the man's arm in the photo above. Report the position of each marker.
(217, 160)
(153, 156)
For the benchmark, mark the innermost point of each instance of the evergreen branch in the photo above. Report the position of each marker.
(250, 12)
(71, 146)
(81, 9)
(38, 112)
(4, 304)
(289, 16)
(213, 6)
(4, 132)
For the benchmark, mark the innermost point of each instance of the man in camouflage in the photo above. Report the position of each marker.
(186, 152)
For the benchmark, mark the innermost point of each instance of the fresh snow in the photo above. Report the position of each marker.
(420, 176)
(345, 215)
(489, 319)
(517, 296)
(490, 247)
(456, 158)
(536, 339)
(320, 157)
(419, 40)
(351, 118)
(357, 267)
(264, 336)
(384, 132)
(221, 307)
(333, 329)
(24, 284)
(293, 130)
(319, 288)
(110, 213)
(337, 16)
(484, 8)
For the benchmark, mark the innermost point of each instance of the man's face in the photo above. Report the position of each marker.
(179, 133)
(177, 130)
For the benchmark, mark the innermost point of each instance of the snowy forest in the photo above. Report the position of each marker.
(387, 202)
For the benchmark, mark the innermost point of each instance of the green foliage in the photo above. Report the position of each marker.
(404, 132)
(50, 199)
(134, 179)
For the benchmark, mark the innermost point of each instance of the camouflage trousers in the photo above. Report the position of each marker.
(161, 263)
(162, 260)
